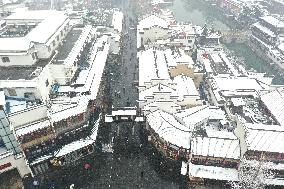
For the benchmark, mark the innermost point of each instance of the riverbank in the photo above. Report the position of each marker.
(199, 12)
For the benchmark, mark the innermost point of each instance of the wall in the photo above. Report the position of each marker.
(181, 69)
(47, 49)
(18, 60)
(58, 73)
(28, 115)
(190, 101)
(21, 92)
(240, 133)
(153, 34)
(20, 164)
(44, 83)
(165, 106)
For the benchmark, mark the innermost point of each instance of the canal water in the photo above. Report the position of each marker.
(199, 12)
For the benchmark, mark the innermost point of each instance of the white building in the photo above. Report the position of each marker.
(224, 87)
(267, 37)
(151, 29)
(258, 148)
(36, 81)
(165, 81)
(37, 33)
(27, 44)
(67, 61)
(112, 28)
(273, 102)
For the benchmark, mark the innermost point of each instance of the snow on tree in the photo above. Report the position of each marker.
(252, 174)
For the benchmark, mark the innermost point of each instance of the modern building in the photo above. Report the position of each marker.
(11, 155)
(56, 133)
(25, 75)
(151, 29)
(267, 37)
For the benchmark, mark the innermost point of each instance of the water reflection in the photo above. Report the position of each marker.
(200, 13)
(197, 12)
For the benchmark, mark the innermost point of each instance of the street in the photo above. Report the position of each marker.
(133, 164)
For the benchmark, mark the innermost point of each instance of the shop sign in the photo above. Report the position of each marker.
(4, 166)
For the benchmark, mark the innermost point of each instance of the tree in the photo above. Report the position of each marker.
(252, 175)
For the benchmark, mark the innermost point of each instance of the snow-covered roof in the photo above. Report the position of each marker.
(238, 102)
(152, 21)
(117, 20)
(273, 21)
(152, 65)
(181, 29)
(33, 127)
(76, 145)
(47, 28)
(8, 44)
(161, 104)
(177, 56)
(33, 15)
(237, 83)
(215, 147)
(2, 98)
(281, 47)
(198, 114)
(274, 101)
(98, 67)
(216, 58)
(168, 128)
(259, 137)
(228, 63)
(63, 108)
(154, 90)
(41, 159)
(185, 86)
(18, 83)
(49, 23)
(78, 46)
(264, 29)
(92, 77)
(124, 112)
(213, 172)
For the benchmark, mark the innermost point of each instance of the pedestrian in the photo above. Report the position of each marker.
(36, 184)
(142, 174)
(72, 186)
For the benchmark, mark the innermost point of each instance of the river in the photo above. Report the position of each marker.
(200, 13)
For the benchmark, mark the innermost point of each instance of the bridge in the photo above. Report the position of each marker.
(124, 114)
(235, 36)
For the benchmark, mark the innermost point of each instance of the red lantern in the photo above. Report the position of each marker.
(176, 156)
(166, 146)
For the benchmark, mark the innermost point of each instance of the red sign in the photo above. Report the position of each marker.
(4, 166)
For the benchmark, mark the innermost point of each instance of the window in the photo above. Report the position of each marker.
(34, 55)
(190, 41)
(61, 33)
(48, 48)
(5, 59)
(53, 43)
(57, 38)
(12, 92)
(46, 83)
